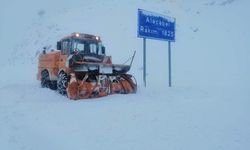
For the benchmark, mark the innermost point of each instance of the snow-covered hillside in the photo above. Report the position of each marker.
(207, 107)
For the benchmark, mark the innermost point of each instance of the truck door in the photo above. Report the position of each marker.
(66, 46)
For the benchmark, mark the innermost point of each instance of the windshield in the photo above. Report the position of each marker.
(87, 46)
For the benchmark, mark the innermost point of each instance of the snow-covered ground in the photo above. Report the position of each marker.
(207, 107)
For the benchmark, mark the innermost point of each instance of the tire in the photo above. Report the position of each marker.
(45, 82)
(62, 83)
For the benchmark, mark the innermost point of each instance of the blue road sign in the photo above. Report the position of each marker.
(155, 26)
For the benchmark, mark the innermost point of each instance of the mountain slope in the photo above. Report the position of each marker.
(207, 107)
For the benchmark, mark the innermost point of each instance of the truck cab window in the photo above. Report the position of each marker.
(93, 48)
(77, 46)
(65, 47)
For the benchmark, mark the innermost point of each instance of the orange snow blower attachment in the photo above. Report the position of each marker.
(81, 89)
(80, 69)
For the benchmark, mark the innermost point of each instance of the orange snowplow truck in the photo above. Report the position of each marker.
(80, 69)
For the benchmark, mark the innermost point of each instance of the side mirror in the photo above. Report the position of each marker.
(103, 50)
(59, 45)
(44, 50)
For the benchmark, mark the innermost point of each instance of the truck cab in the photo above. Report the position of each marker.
(78, 42)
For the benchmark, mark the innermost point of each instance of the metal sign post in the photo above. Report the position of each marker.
(169, 64)
(144, 62)
(159, 27)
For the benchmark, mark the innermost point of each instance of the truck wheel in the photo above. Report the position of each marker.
(45, 82)
(62, 83)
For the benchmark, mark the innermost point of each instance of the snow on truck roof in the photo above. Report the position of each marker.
(83, 36)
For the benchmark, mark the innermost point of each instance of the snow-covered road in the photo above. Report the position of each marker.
(175, 118)
(206, 109)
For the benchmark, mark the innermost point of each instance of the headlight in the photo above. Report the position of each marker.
(77, 35)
